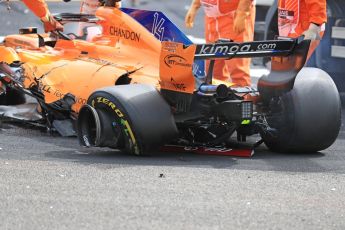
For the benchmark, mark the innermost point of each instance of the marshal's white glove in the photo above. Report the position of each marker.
(313, 33)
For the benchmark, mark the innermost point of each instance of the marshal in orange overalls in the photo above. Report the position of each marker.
(297, 17)
(40, 9)
(219, 24)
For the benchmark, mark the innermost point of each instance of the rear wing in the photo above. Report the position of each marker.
(281, 47)
(289, 55)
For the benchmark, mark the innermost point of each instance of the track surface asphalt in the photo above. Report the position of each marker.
(51, 183)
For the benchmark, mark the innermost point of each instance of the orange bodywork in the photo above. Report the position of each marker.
(176, 67)
(8, 55)
(79, 68)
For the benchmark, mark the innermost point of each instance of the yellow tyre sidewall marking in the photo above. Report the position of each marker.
(124, 122)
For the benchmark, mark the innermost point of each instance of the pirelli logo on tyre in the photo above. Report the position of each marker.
(111, 105)
(123, 120)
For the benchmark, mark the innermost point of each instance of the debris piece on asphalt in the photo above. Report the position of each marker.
(161, 175)
(333, 189)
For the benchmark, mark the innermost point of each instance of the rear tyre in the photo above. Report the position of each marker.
(306, 119)
(134, 118)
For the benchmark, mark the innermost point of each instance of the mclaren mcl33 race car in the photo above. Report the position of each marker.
(141, 85)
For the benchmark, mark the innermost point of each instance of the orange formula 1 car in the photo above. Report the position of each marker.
(131, 89)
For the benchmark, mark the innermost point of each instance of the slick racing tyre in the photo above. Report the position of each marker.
(134, 118)
(306, 119)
